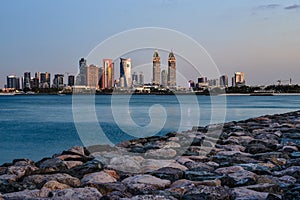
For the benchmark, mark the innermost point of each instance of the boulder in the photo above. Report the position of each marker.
(168, 173)
(54, 185)
(228, 170)
(89, 167)
(208, 192)
(141, 183)
(239, 178)
(246, 194)
(39, 180)
(76, 194)
(149, 165)
(27, 194)
(96, 178)
(291, 171)
(126, 163)
(163, 153)
(150, 197)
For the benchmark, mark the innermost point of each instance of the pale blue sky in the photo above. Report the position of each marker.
(259, 37)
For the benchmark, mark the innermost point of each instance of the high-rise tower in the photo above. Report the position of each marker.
(164, 78)
(156, 68)
(125, 72)
(108, 73)
(81, 78)
(171, 70)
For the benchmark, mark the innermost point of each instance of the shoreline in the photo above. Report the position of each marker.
(257, 158)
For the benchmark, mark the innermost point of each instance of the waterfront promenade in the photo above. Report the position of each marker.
(257, 158)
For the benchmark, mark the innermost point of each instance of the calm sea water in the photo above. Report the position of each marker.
(38, 126)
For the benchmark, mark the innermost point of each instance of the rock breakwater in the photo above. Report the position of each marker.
(258, 158)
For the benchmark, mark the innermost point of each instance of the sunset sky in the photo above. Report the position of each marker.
(259, 37)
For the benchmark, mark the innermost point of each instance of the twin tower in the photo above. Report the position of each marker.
(163, 77)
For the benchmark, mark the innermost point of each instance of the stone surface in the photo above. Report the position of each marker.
(39, 180)
(246, 194)
(76, 194)
(54, 185)
(96, 178)
(145, 183)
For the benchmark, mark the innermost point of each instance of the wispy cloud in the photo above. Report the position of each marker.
(268, 6)
(291, 7)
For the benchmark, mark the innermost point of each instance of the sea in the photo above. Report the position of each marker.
(38, 126)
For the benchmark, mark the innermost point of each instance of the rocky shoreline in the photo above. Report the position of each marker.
(257, 158)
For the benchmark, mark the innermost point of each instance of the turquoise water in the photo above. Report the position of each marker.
(38, 126)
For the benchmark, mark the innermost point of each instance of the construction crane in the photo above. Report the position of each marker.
(284, 81)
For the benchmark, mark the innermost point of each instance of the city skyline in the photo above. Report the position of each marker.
(258, 37)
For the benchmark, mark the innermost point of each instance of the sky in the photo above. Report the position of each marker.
(258, 37)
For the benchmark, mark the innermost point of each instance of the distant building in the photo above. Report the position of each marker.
(141, 78)
(58, 81)
(81, 78)
(214, 83)
(71, 80)
(92, 76)
(191, 84)
(202, 81)
(135, 79)
(239, 79)
(224, 81)
(171, 70)
(164, 78)
(13, 82)
(26, 81)
(156, 68)
(107, 74)
(101, 78)
(125, 72)
(45, 80)
(35, 83)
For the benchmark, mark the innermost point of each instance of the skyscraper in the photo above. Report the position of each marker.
(164, 78)
(27, 79)
(108, 73)
(81, 78)
(92, 76)
(125, 71)
(224, 81)
(239, 79)
(135, 79)
(71, 80)
(141, 78)
(45, 80)
(156, 68)
(58, 81)
(202, 81)
(171, 70)
(13, 82)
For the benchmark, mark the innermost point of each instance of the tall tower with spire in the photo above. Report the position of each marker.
(171, 70)
(156, 68)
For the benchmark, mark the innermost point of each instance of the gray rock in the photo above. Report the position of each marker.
(291, 171)
(127, 163)
(150, 197)
(239, 178)
(246, 194)
(141, 183)
(168, 173)
(208, 193)
(150, 165)
(39, 180)
(27, 194)
(161, 153)
(76, 194)
(228, 170)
